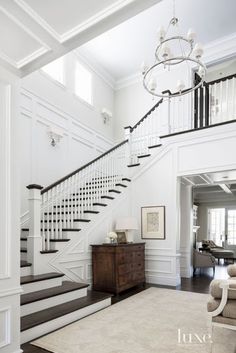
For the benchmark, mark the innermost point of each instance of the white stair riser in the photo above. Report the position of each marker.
(53, 325)
(57, 245)
(48, 303)
(40, 285)
(23, 256)
(25, 271)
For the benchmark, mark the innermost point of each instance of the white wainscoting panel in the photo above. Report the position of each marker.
(43, 164)
(5, 327)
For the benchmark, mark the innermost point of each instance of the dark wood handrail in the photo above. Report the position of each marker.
(146, 115)
(83, 167)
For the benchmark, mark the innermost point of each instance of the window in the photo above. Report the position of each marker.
(83, 83)
(55, 70)
(231, 227)
(217, 225)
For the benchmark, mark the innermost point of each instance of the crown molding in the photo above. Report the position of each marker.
(128, 81)
(220, 49)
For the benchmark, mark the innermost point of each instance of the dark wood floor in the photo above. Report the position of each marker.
(198, 284)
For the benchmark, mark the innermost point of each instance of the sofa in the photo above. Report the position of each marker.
(222, 304)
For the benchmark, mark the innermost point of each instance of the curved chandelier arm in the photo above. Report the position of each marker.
(179, 93)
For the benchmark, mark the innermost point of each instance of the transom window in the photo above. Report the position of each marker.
(231, 239)
(55, 70)
(83, 83)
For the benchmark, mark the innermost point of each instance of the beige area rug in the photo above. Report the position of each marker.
(153, 321)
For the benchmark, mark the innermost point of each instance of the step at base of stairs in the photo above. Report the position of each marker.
(43, 299)
(25, 268)
(39, 282)
(51, 319)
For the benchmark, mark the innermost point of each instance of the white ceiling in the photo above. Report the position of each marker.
(35, 32)
(212, 187)
(121, 50)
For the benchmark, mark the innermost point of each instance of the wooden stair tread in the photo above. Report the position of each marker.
(122, 185)
(144, 155)
(66, 287)
(99, 204)
(155, 146)
(23, 250)
(107, 197)
(91, 211)
(63, 229)
(126, 179)
(82, 220)
(40, 317)
(38, 278)
(24, 263)
(133, 165)
(116, 191)
(48, 251)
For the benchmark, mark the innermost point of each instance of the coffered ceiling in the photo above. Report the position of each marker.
(35, 32)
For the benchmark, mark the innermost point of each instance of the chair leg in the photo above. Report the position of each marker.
(214, 271)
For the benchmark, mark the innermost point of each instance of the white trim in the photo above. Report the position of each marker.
(61, 38)
(36, 54)
(64, 114)
(28, 9)
(128, 81)
(7, 324)
(10, 292)
(45, 48)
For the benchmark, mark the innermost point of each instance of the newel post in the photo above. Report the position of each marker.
(34, 242)
(128, 136)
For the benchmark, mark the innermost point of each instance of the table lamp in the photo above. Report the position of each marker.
(127, 225)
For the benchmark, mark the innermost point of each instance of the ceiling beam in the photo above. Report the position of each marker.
(225, 188)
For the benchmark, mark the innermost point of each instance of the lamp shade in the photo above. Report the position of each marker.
(126, 223)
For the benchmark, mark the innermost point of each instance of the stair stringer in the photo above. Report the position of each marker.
(74, 260)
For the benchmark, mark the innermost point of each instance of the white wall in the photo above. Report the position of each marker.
(43, 103)
(186, 230)
(9, 216)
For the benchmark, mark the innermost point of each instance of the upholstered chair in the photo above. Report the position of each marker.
(203, 260)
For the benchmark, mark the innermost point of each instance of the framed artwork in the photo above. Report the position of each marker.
(121, 238)
(153, 222)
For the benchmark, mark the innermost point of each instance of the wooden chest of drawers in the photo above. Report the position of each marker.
(117, 267)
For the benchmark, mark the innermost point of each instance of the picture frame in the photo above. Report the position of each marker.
(121, 238)
(153, 222)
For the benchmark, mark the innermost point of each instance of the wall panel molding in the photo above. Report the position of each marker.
(5, 326)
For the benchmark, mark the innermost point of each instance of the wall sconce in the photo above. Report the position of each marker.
(55, 135)
(106, 115)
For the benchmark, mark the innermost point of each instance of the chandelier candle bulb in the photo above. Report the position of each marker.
(201, 71)
(161, 33)
(185, 50)
(191, 35)
(144, 67)
(153, 84)
(180, 85)
(165, 51)
(198, 50)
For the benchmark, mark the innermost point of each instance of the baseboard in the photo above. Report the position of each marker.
(164, 280)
